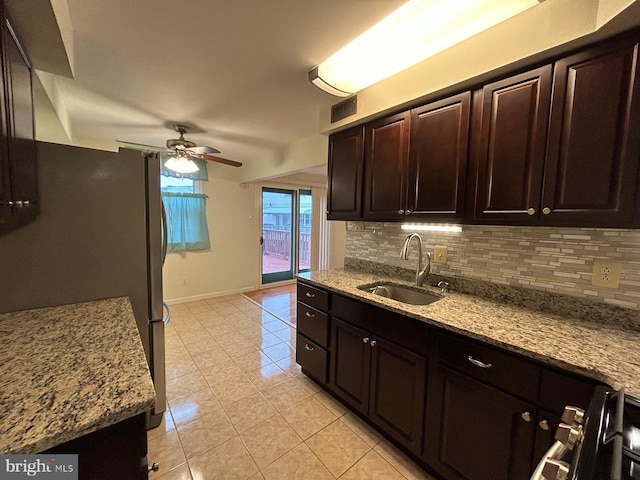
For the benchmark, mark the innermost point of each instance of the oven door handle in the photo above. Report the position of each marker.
(557, 451)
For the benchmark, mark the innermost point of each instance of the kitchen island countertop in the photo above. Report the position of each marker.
(606, 351)
(67, 371)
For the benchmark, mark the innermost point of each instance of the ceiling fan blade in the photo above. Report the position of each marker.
(142, 146)
(213, 158)
(202, 150)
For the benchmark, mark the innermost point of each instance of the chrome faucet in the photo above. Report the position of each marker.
(420, 274)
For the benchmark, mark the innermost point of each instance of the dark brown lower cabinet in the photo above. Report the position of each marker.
(381, 380)
(487, 414)
(118, 451)
(476, 432)
(350, 364)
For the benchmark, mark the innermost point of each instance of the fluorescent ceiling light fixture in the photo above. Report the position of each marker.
(181, 164)
(427, 227)
(416, 31)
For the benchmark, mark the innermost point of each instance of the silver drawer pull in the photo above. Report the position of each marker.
(310, 295)
(309, 314)
(309, 347)
(478, 363)
(544, 424)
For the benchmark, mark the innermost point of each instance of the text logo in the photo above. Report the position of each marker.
(41, 466)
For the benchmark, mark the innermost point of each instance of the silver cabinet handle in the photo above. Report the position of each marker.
(26, 203)
(544, 425)
(309, 347)
(400, 211)
(478, 363)
(546, 210)
(526, 416)
(365, 340)
(373, 343)
(309, 314)
(407, 212)
(310, 295)
(531, 211)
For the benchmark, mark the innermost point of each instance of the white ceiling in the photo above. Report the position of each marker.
(235, 69)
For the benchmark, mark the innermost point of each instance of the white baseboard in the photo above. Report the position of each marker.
(195, 298)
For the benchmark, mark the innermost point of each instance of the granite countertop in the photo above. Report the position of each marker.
(586, 342)
(67, 371)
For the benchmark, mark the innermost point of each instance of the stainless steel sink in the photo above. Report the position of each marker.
(401, 293)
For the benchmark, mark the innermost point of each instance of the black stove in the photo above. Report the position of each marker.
(602, 443)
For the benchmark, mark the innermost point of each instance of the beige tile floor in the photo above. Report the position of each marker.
(240, 408)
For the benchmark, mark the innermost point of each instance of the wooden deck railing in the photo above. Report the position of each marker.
(277, 243)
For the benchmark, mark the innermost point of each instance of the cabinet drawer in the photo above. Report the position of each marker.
(312, 358)
(312, 296)
(313, 324)
(490, 365)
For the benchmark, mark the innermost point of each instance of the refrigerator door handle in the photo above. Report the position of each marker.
(165, 235)
(167, 317)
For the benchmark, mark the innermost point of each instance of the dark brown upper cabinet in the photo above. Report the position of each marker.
(415, 162)
(566, 159)
(510, 149)
(346, 160)
(346, 163)
(438, 159)
(591, 170)
(558, 145)
(385, 166)
(18, 178)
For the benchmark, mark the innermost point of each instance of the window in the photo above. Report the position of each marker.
(186, 213)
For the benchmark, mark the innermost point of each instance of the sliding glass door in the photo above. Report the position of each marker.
(304, 230)
(286, 233)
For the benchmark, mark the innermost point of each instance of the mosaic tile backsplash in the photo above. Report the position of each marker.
(558, 260)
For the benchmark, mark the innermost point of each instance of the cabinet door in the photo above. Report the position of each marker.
(594, 138)
(6, 211)
(20, 150)
(398, 379)
(350, 364)
(386, 157)
(476, 432)
(511, 148)
(438, 158)
(344, 196)
(545, 433)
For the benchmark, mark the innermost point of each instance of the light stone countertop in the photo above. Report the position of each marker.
(608, 351)
(67, 371)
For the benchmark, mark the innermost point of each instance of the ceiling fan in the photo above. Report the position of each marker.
(183, 151)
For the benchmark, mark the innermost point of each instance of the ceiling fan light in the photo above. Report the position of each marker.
(181, 164)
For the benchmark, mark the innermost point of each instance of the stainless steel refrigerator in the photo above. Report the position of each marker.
(99, 235)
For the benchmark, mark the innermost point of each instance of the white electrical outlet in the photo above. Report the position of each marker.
(606, 273)
(439, 254)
